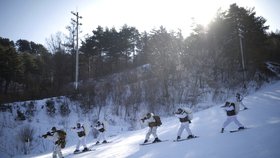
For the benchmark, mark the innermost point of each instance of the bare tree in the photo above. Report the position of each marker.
(56, 42)
(26, 137)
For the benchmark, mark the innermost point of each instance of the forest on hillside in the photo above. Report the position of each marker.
(156, 68)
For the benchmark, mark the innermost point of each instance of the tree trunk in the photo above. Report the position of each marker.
(7, 86)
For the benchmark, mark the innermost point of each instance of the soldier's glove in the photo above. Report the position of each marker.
(56, 142)
(143, 119)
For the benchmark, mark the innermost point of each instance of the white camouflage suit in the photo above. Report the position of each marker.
(81, 139)
(184, 124)
(152, 130)
(100, 127)
(56, 147)
(239, 99)
(231, 116)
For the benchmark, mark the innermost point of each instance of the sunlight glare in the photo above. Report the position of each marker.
(202, 11)
(146, 15)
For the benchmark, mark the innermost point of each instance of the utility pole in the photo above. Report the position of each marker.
(77, 46)
(242, 55)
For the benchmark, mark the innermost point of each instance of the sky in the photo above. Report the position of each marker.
(37, 20)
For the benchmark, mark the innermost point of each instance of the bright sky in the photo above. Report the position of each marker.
(36, 20)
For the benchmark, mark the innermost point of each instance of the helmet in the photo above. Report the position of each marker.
(227, 103)
(53, 129)
(78, 124)
(180, 110)
(149, 115)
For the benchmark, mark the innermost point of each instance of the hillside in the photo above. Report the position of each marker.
(261, 140)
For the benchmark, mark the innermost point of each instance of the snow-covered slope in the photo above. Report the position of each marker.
(261, 140)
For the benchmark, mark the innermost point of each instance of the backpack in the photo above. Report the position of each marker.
(82, 133)
(236, 108)
(62, 134)
(158, 121)
(189, 112)
(86, 127)
(62, 138)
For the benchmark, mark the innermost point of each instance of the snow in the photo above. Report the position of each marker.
(261, 140)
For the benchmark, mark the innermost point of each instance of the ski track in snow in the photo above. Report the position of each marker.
(262, 140)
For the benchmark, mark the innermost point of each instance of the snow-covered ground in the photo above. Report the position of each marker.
(261, 140)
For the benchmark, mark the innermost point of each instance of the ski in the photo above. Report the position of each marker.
(79, 152)
(185, 139)
(149, 143)
(238, 130)
(244, 109)
(101, 143)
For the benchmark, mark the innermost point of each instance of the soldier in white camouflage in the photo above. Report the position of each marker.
(151, 122)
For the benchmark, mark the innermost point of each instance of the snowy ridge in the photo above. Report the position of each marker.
(262, 140)
(274, 67)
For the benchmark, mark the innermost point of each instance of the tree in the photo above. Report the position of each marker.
(252, 28)
(70, 39)
(273, 46)
(62, 74)
(129, 42)
(23, 45)
(10, 69)
(92, 48)
(218, 46)
(30, 71)
(142, 55)
(165, 49)
(111, 48)
(37, 49)
(56, 42)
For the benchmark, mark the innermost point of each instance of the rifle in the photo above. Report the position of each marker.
(47, 134)
(143, 119)
(226, 105)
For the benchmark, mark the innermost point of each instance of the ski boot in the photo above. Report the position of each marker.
(97, 142)
(241, 128)
(76, 151)
(104, 142)
(156, 140)
(222, 131)
(178, 138)
(85, 149)
(145, 141)
(190, 136)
